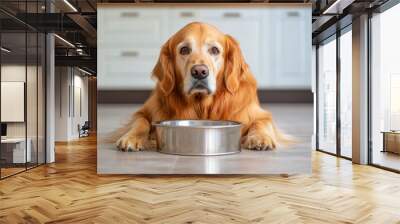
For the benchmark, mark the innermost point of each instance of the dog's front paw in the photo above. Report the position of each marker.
(131, 143)
(257, 141)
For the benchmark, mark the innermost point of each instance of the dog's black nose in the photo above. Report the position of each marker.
(199, 71)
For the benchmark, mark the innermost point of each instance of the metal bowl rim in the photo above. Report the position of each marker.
(201, 154)
(234, 124)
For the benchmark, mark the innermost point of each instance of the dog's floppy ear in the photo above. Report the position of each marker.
(164, 70)
(235, 65)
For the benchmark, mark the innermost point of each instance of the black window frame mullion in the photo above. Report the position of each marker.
(1, 177)
(26, 87)
(37, 91)
(369, 90)
(317, 96)
(338, 93)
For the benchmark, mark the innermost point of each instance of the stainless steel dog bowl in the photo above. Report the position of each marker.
(198, 137)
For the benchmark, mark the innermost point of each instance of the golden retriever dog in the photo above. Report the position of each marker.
(201, 74)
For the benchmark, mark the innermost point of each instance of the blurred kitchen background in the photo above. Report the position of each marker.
(272, 39)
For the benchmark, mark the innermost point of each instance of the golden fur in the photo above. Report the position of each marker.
(235, 97)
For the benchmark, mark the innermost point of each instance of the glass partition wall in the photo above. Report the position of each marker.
(346, 95)
(385, 90)
(334, 105)
(334, 115)
(22, 77)
(327, 95)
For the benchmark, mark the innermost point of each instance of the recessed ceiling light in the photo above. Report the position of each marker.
(337, 7)
(84, 71)
(65, 41)
(70, 5)
(5, 50)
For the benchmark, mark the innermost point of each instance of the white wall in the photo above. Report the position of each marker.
(71, 102)
(12, 101)
(34, 125)
(62, 81)
(12, 73)
(80, 109)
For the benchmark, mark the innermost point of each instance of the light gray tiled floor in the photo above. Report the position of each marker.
(293, 119)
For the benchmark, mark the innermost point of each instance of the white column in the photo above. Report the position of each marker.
(360, 90)
(50, 100)
(314, 91)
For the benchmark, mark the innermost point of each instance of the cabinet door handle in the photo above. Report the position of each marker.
(130, 54)
(130, 14)
(187, 14)
(293, 14)
(232, 15)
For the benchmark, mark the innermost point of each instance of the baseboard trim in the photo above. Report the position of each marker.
(265, 96)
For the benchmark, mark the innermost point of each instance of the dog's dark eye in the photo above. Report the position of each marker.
(214, 50)
(184, 51)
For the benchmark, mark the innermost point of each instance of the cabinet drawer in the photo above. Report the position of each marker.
(178, 18)
(214, 16)
(200, 13)
(287, 58)
(127, 69)
(184, 13)
(229, 14)
(132, 25)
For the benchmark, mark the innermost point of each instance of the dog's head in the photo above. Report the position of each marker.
(200, 59)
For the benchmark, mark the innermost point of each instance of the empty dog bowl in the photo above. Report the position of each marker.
(198, 137)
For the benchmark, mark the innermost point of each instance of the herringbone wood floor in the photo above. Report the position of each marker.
(70, 191)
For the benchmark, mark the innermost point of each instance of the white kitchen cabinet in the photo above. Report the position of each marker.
(287, 48)
(129, 43)
(127, 69)
(132, 26)
(273, 41)
(293, 56)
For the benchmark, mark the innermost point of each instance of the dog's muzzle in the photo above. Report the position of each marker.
(199, 79)
(201, 86)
